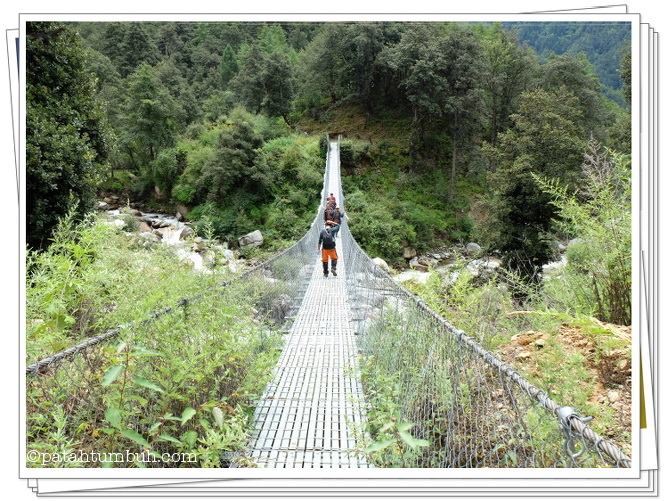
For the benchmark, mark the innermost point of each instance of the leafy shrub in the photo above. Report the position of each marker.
(185, 383)
(352, 152)
(597, 277)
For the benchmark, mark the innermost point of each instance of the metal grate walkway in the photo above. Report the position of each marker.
(311, 412)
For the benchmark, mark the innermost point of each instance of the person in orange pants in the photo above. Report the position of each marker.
(328, 244)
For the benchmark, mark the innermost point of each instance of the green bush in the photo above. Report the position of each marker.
(186, 382)
(597, 277)
(353, 152)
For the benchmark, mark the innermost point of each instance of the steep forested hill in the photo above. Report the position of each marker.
(603, 43)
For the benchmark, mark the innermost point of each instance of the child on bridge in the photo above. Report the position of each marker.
(328, 244)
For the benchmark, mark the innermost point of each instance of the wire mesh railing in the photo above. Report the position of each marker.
(472, 409)
(70, 382)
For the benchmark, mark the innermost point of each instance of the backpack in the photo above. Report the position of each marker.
(328, 239)
(330, 213)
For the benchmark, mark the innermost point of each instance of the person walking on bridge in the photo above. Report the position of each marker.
(328, 244)
(335, 216)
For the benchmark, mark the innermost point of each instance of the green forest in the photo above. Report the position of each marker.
(514, 136)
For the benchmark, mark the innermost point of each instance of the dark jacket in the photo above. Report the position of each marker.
(326, 239)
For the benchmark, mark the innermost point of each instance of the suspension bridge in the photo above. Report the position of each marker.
(471, 408)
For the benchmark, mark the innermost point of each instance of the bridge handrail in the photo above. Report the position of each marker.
(38, 368)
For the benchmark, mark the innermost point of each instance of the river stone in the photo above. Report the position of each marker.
(414, 264)
(427, 261)
(103, 205)
(198, 244)
(183, 210)
(131, 211)
(144, 227)
(147, 238)
(414, 275)
(473, 248)
(186, 232)
(409, 253)
(381, 264)
(228, 254)
(613, 396)
(252, 239)
(555, 266)
(232, 266)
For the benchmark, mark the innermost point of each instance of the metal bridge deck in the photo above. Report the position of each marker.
(311, 412)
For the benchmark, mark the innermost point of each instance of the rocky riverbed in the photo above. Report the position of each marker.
(149, 229)
(450, 262)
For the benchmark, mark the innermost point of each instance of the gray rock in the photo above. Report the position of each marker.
(484, 267)
(473, 248)
(493, 263)
(144, 227)
(414, 275)
(409, 253)
(252, 239)
(147, 239)
(131, 211)
(555, 266)
(427, 261)
(186, 232)
(102, 205)
(183, 210)
(613, 396)
(474, 267)
(381, 264)
(414, 264)
(198, 244)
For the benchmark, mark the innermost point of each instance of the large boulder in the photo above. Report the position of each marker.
(427, 261)
(415, 265)
(146, 239)
(144, 227)
(420, 277)
(131, 211)
(182, 210)
(186, 232)
(484, 267)
(198, 244)
(473, 249)
(409, 253)
(381, 264)
(252, 239)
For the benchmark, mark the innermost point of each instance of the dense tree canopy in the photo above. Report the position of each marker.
(65, 140)
(191, 108)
